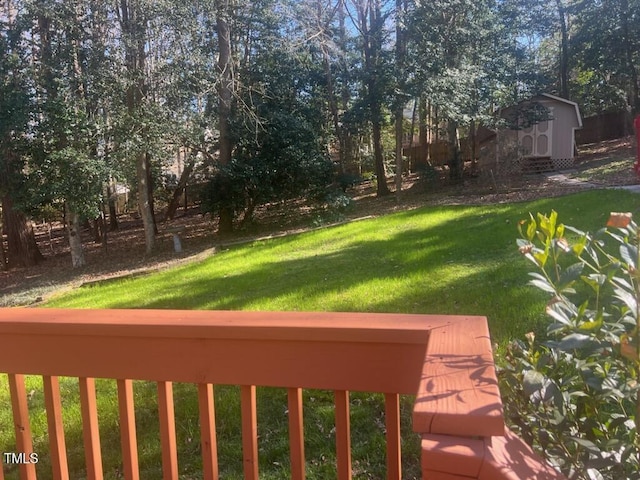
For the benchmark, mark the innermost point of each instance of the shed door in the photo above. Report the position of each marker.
(536, 139)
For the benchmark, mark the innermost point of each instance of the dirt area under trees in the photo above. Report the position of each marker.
(599, 165)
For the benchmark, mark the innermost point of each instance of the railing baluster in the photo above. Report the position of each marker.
(208, 431)
(90, 432)
(20, 407)
(392, 424)
(167, 431)
(128, 430)
(343, 435)
(296, 433)
(249, 432)
(57, 445)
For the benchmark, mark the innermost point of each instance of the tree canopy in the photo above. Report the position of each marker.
(271, 98)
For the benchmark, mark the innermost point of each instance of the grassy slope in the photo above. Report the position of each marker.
(455, 259)
(433, 260)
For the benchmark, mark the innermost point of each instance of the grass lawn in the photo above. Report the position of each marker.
(453, 260)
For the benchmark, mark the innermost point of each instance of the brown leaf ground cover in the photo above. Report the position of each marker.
(600, 165)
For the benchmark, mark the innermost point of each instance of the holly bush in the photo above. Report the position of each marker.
(573, 395)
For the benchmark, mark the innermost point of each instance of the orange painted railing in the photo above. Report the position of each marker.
(446, 361)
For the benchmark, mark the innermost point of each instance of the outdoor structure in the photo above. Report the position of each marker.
(445, 361)
(539, 136)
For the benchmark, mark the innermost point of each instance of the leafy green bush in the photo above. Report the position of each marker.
(284, 160)
(574, 394)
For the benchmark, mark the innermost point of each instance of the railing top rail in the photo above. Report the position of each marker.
(308, 326)
(445, 360)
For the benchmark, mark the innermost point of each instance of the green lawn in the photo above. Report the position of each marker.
(454, 260)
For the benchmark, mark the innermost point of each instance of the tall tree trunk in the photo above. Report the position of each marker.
(150, 187)
(225, 97)
(133, 26)
(455, 159)
(144, 202)
(423, 130)
(75, 239)
(400, 99)
(22, 249)
(371, 27)
(333, 106)
(564, 50)
(347, 140)
(113, 214)
(182, 184)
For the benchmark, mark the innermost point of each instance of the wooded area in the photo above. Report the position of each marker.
(270, 99)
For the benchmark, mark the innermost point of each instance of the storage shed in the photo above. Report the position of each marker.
(542, 130)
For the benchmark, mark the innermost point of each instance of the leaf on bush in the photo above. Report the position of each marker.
(622, 282)
(579, 246)
(594, 474)
(563, 245)
(592, 326)
(627, 348)
(541, 257)
(588, 444)
(575, 341)
(531, 230)
(532, 382)
(619, 219)
(524, 246)
(595, 281)
(628, 299)
(629, 254)
(543, 285)
(545, 224)
(557, 314)
(570, 275)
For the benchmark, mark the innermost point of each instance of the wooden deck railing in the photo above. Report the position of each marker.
(446, 361)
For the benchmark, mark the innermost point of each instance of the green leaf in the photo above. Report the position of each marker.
(541, 257)
(545, 225)
(589, 445)
(575, 341)
(570, 275)
(531, 230)
(629, 254)
(558, 314)
(627, 298)
(543, 285)
(532, 382)
(595, 281)
(579, 245)
(592, 325)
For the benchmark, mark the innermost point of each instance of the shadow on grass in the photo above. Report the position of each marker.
(464, 263)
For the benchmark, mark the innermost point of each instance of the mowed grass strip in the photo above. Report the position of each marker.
(447, 260)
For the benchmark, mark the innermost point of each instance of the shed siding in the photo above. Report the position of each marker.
(564, 120)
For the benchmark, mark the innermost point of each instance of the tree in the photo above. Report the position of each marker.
(453, 57)
(133, 21)
(370, 25)
(401, 86)
(605, 46)
(564, 49)
(65, 163)
(279, 124)
(225, 97)
(15, 106)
